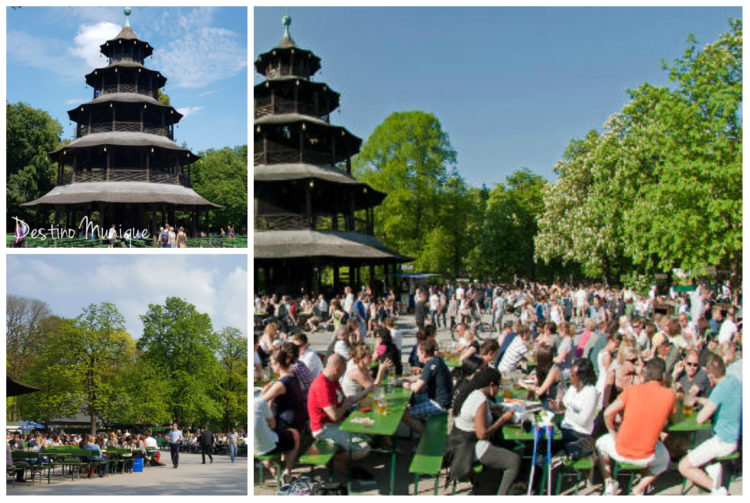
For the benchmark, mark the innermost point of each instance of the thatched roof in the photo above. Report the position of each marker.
(77, 115)
(308, 243)
(293, 171)
(126, 34)
(124, 63)
(122, 192)
(123, 138)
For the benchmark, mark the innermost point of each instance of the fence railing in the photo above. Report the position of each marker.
(124, 175)
(121, 126)
(286, 106)
(321, 222)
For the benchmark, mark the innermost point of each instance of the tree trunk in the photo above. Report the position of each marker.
(93, 421)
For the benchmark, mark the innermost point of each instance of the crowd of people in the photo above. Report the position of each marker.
(144, 445)
(613, 365)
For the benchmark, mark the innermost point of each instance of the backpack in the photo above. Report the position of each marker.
(164, 237)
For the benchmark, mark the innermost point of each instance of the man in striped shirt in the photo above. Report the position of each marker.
(517, 350)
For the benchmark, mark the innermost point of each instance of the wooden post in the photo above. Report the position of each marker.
(89, 127)
(59, 170)
(308, 202)
(114, 116)
(141, 114)
(335, 278)
(148, 165)
(108, 161)
(194, 226)
(75, 166)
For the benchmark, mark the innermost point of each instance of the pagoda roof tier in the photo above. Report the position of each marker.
(308, 243)
(293, 171)
(122, 192)
(282, 119)
(126, 35)
(78, 114)
(93, 78)
(283, 53)
(328, 99)
(125, 139)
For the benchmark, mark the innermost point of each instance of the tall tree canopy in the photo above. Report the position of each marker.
(661, 186)
(410, 158)
(30, 135)
(181, 343)
(221, 177)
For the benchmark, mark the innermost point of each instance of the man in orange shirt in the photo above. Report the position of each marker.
(646, 408)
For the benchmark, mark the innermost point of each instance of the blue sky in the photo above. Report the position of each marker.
(511, 85)
(215, 284)
(201, 51)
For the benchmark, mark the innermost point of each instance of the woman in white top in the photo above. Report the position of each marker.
(358, 377)
(473, 426)
(605, 361)
(580, 402)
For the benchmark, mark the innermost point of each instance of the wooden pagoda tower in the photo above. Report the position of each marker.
(310, 212)
(124, 163)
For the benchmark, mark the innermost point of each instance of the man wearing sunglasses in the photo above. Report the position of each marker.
(689, 377)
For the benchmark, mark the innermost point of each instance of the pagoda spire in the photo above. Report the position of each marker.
(287, 40)
(127, 11)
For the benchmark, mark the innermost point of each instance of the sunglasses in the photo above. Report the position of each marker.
(691, 364)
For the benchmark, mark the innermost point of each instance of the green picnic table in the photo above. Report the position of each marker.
(378, 424)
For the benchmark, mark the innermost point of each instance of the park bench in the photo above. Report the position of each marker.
(573, 467)
(320, 453)
(428, 460)
(271, 458)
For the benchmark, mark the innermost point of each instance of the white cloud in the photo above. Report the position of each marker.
(75, 101)
(89, 38)
(185, 111)
(206, 93)
(40, 52)
(201, 56)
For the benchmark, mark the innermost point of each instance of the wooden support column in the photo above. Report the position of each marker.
(336, 279)
(373, 284)
(114, 117)
(265, 148)
(118, 80)
(194, 225)
(108, 161)
(75, 166)
(301, 143)
(308, 202)
(148, 165)
(353, 224)
(59, 170)
(208, 224)
(296, 97)
(141, 114)
(89, 125)
(154, 217)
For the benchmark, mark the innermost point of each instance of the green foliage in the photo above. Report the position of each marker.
(232, 389)
(661, 186)
(410, 158)
(162, 98)
(181, 343)
(506, 245)
(221, 177)
(30, 135)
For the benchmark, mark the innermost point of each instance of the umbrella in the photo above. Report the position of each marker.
(30, 425)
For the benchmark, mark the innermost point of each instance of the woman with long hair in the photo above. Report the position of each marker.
(473, 426)
(386, 350)
(357, 376)
(549, 379)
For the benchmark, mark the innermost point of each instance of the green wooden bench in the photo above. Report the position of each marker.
(630, 469)
(320, 453)
(571, 467)
(428, 460)
(271, 458)
(476, 469)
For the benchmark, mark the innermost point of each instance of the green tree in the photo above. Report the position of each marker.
(181, 343)
(509, 225)
(232, 389)
(221, 177)
(410, 158)
(31, 133)
(162, 98)
(696, 188)
(145, 393)
(95, 348)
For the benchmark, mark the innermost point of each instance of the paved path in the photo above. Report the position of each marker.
(221, 478)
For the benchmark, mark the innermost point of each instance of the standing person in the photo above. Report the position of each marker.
(164, 236)
(112, 236)
(232, 439)
(359, 311)
(175, 438)
(172, 238)
(181, 238)
(207, 444)
(420, 310)
(19, 239)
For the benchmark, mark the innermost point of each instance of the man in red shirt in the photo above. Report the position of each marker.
(327, 406)
(646, 408)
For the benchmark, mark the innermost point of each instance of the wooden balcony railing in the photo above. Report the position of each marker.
(124, 175)
(321, 222)
(124, 88)
(123, 126)
(292, 156)
(286, 106)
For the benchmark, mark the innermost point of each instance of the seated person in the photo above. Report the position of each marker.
(358, 378)
(517, 351)
(468, 345)
(387, 350)
(689, 378)
(645, 409)
(725, 405)
(580, 403)
(270, 440)
(91, 445)
(469, 440)
(327, 407)
(423, 334)
(548, 379)
(432, 389)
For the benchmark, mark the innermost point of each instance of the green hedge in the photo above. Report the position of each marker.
(208, 242)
